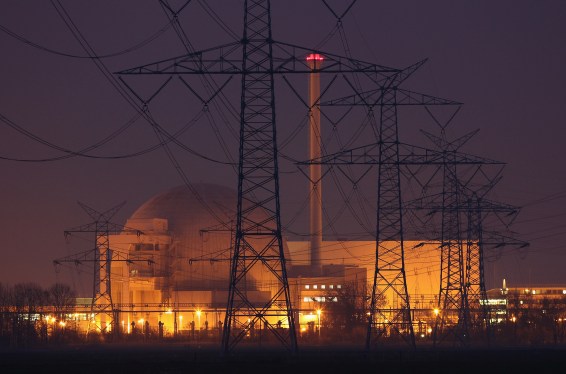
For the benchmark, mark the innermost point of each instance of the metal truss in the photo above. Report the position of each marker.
(409, 155)
(462, 287)
(403, 98)
(452, 294)
(389, 154)
(389, 277)
(390, 259)
(102, 257)
(472, 208)
(446, 159)
(478, 312)
(287, 59)
(258, 238)
(257, 58)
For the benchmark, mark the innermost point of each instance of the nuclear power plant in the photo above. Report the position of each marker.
(181, 265)
(213, 261)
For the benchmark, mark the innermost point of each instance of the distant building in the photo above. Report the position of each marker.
(513, 303)
(179, 273)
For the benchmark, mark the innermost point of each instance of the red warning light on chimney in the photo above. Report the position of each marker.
(315, 57)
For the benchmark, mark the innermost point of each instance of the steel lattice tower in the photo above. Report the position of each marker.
(102, 257)
(477, 208)
(462, 283)
(258, 239)
(451, 298)
(474, 275)
(452, 317)
(390, 155)
(102, 304)
(389, 277)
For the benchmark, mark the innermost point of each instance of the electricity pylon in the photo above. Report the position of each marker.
(389, 154)
(478, 239)
(257, 58)
(462, 283)
(102, 257)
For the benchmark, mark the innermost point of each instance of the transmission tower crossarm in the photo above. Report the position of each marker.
(287, 59)
(88, 256)
(113, 228)
(497, 240)
(222, 59)
(77, 258)
(404, 98)
(408, 155)
(449, 146)
(484, 206)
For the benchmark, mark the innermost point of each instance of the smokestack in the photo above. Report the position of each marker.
(504, 290)
(315, 171)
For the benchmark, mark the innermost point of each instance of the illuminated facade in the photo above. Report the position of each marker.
(513, 303)
(177, 280)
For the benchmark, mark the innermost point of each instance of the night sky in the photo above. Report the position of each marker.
(503, 59)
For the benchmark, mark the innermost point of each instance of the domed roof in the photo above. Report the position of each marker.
(202, 206)
(201, 220)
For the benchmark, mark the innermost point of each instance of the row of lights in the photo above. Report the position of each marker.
(53, 320)
(322, 286)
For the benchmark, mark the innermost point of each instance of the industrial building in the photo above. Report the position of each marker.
(177, 278)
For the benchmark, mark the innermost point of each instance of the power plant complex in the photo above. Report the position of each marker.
(180, 268)
(214, 262)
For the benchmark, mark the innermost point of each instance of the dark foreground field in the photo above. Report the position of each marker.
(193, 359)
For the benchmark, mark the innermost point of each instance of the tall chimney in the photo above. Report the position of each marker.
(315, 173)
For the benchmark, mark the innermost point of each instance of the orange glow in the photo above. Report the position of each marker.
(309, 317)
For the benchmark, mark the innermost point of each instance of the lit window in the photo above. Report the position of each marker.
(564, 292)
(339, 286)
(332, 287)
(315, 287)
(307, 286)
(534, 292)
(306, 299)
(323, 286)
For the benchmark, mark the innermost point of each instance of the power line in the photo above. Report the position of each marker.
(124, 51)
